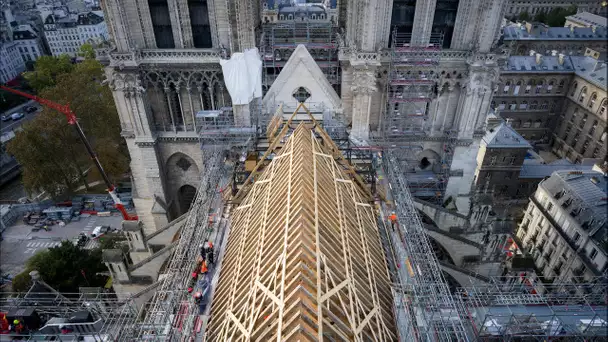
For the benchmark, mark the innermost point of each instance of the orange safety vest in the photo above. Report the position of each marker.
(204, 267)
(393, 217)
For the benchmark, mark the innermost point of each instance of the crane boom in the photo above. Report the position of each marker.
(72, 120)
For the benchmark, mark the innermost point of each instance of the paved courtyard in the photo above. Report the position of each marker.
(20, 243)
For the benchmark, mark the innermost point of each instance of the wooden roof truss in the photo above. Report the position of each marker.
(304, 259)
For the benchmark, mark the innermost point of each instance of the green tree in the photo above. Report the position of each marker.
(49, 150)
(541, 17)
(524, 16)
(113, 241)
(87, 51)
(46, 71)
(557, 16)
(67, 267)
(22, 282)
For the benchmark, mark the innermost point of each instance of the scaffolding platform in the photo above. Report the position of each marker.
(279, 40)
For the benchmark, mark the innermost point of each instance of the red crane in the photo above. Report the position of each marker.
(72, 120)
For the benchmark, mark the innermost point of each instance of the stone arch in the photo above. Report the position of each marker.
(185, 197)
(180, 170)
(429, 160)
(440, 251)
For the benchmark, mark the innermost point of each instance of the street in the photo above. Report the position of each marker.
(11, 125)
(20, 243)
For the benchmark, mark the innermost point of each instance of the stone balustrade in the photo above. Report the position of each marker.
(161, 56)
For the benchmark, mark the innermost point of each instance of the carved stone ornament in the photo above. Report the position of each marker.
(364, 81)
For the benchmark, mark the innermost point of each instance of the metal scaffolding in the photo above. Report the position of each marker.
(509, 310)
(171, 313)
(278, 42)
(429, 312)
(90, 314)
(411, 86)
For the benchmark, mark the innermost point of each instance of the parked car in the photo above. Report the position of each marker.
(31, 109)
(99, 231)
(6, 117)
(80, 240)
(17, 116)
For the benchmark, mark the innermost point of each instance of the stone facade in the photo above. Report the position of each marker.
(164, 67)
(534, 7)
(566, 245)
(582, 128)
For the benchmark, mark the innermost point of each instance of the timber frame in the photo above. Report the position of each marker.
(304, 260)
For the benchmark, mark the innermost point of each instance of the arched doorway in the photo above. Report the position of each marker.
(185, 197)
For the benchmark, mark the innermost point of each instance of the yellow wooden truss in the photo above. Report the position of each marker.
(304, 261)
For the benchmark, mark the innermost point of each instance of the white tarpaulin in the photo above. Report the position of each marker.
(243, 76)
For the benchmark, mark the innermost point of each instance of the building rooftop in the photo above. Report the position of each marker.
(534, 168)
(504, 136)
(536, 31)
(24, 32)
(591, 70)
(586, 18)
(549, 64)
(585, 194)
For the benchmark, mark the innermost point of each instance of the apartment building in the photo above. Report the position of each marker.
(581, 132)
(29, 42)
(534, 7)
(556, 102)
(521, 38)
(531, 93)
(11, 63)
(65, 35)
(586, 19)
(565, 228)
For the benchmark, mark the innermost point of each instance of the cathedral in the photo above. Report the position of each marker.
(415, 75)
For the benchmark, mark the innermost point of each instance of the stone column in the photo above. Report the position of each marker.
(185, 24)
(364, 84)
(423, 22)
(372, 26)
(175, 14)
(242, 115)
(466, 21)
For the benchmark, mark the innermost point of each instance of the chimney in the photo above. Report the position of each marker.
(599, 65)
(553, 52)
(560, 59)
(508, 122)
(532, 52)
(593, 28)
(539, 58)
(571, 29)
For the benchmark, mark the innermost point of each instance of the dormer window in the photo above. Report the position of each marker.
(560, 194)
(567, 203)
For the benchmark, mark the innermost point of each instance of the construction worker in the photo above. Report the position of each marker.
(204, 268)
(197, 298)
(65, 329)
(203, 251)
(18, 326)
(209, 246)
(393, 219)
(4, 326)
